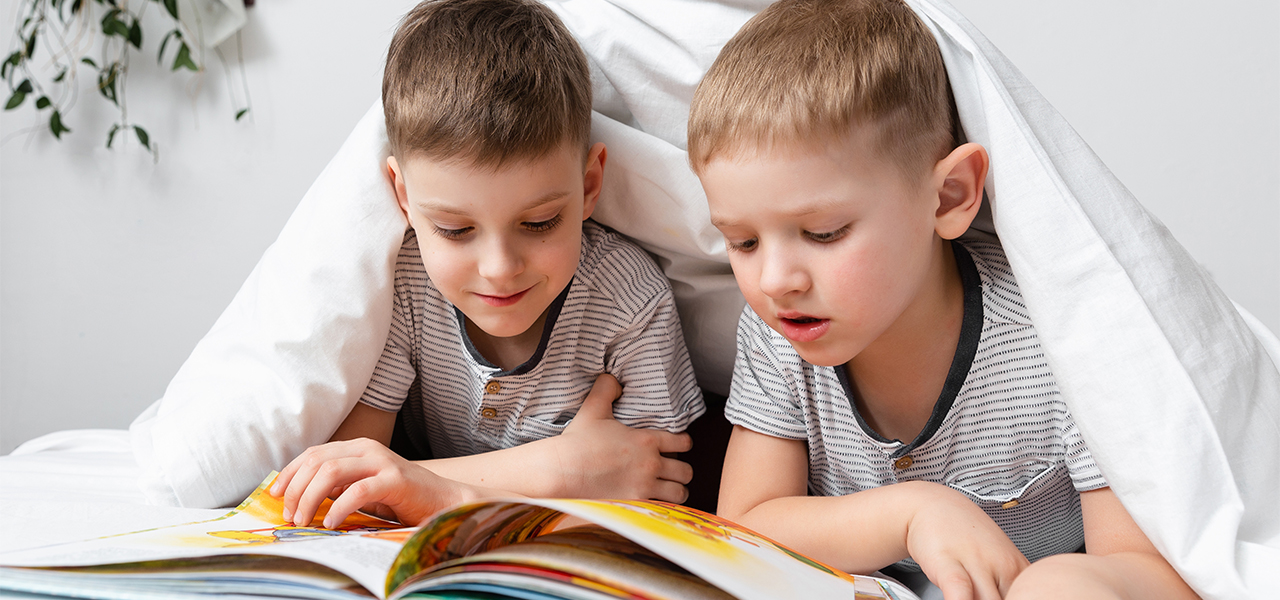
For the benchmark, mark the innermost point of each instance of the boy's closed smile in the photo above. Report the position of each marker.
(501, 300)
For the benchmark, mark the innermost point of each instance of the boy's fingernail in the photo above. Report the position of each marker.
(326, 524)
(275, 489)
(287, 514)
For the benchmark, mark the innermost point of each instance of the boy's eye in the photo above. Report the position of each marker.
(541, 226)
(828, 236)
(743, 246)
(451, 234)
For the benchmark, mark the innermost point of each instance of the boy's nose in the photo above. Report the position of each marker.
(500, 260)
(782, 273)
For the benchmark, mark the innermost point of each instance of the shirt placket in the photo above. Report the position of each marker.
(490, 409)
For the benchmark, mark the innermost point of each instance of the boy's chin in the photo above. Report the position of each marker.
(503, 328)
(819, 356)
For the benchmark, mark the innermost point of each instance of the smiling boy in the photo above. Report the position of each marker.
(890, 399)
(509, 303)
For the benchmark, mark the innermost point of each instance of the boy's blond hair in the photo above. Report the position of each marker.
(811, 70)
(484, 81)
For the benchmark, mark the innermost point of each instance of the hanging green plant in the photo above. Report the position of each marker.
(62, 26)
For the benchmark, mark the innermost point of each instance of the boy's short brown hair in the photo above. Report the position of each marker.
(485, 81)
(813, 69)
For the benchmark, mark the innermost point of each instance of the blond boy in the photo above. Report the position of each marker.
(509, 303)
(890, 400)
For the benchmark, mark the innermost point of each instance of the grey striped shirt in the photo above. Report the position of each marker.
(1000, 432)
(617, 316)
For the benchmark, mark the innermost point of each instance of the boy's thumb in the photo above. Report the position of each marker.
(599, 402)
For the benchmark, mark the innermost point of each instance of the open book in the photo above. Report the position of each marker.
(527, 549)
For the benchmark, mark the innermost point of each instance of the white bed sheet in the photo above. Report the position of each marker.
(78, 484)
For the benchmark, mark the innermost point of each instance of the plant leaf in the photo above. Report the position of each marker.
(61, 75)
(184, 59)
(55, 125)
(135, 35)
(89, 61)
(31, 45)
(242, 112)
(10, 63)
(43, 103)
(172, 7)
(15, 100)
(25, 86)
(117, 27)
(107, 83)
(109, 17)
(142, 136)
(165, 42)
(111, 135)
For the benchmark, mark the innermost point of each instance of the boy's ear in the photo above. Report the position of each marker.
(397, 183)
(959, 179)
(593, 178)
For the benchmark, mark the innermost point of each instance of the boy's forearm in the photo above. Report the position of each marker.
(522, 470)
(858, 533)
(1124, 575)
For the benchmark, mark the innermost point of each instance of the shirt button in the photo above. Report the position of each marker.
(1009, 504)
(904, 463)
(488, 413)
(493, 387)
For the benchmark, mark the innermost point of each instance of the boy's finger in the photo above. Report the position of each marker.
(333, 473)
(307, 465)
(675, 470)
(670, 491)
(599, 401)
(985, 588)
(673, 443)
(355, 496)
(282, 479)
(954, 584)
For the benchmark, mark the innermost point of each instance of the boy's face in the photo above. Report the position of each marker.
(831, 245)
(500, 243)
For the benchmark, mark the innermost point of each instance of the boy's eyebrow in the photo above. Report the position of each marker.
(803, 210)
(544, 199)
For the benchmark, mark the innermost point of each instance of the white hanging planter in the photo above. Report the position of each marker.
(212, 21)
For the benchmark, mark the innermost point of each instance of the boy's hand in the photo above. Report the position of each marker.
(961, 549)
(362, 474)
(598, 457)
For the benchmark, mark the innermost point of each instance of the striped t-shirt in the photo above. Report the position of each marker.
(617, 316)
(999, 433)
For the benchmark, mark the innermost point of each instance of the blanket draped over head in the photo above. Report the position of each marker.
(1175, 390)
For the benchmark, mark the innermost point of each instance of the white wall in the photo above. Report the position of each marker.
(112, 267)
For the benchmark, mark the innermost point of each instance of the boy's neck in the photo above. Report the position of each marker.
(897, 379)
(509, 352)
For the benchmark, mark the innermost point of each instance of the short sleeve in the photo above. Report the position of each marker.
(762, 397)
(659, 390)
(1085, 474)
(395, 372)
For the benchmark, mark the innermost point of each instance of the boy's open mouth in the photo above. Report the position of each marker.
(802, 328)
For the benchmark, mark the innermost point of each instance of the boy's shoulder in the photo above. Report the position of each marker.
(615, 267)
(1001, 297)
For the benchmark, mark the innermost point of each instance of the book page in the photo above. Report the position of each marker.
(587, 556)
(362, 548)
(741, 562)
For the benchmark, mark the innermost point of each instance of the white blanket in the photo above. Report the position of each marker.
(1173, 388)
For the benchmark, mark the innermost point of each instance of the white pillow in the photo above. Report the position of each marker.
(291, 355)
